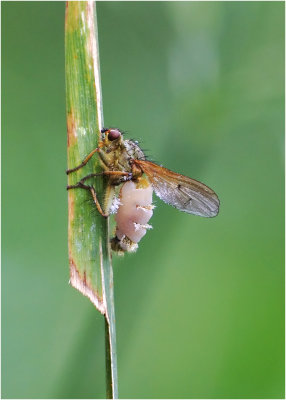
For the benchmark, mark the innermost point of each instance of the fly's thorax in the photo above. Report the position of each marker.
(133, 215)
(124, 154)
(117, 155)
(116, 152)
(133, 150)
(110, 153)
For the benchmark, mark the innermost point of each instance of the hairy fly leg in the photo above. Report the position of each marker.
(87, 158)
(91, 189)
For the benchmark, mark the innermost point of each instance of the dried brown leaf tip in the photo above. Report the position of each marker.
(80, 283)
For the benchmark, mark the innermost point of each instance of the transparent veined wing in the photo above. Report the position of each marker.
(184, 193)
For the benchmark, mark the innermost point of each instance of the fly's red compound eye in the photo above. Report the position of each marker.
(114, 134)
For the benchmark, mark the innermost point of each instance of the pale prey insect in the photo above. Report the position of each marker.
(124, 163)
(133, 215)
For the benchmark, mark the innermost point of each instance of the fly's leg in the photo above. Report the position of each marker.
(93, 193)
(87, 158)
(81, 185)
(127, 176)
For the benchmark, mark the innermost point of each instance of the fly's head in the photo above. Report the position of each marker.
(112, 139)
(113, 149)
(119, 153)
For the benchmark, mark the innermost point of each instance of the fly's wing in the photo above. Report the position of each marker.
(184, 193)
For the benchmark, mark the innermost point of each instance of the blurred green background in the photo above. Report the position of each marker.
(200, 307)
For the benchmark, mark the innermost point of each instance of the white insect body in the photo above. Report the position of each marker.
(133, 215)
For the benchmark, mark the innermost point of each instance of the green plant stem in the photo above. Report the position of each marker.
(110, 327)
(89, 250)
(109, 394)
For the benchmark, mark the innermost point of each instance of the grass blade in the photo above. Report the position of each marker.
(88, 232)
